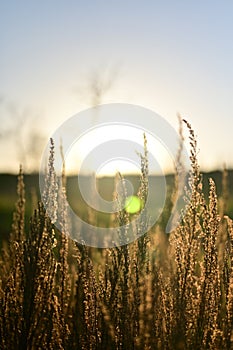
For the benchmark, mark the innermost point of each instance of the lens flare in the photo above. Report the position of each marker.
(133, 204)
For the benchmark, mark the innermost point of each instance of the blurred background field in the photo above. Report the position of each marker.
(8, 195)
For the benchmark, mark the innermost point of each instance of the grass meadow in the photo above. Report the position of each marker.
(162, 291)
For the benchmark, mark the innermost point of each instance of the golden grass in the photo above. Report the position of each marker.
(159, 292)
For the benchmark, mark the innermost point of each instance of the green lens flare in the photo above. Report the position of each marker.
(133, 204)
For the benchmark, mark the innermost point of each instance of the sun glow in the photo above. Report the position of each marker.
(160, 160)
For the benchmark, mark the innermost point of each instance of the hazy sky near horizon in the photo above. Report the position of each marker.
(168, 56)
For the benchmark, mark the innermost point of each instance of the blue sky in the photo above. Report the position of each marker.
(169, 56)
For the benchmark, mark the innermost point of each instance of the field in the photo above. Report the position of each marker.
(162, 291)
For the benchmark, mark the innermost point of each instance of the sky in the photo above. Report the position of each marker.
(61, 57)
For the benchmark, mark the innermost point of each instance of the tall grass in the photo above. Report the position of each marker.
(160, 292)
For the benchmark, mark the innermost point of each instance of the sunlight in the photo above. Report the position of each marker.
(95, 152)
